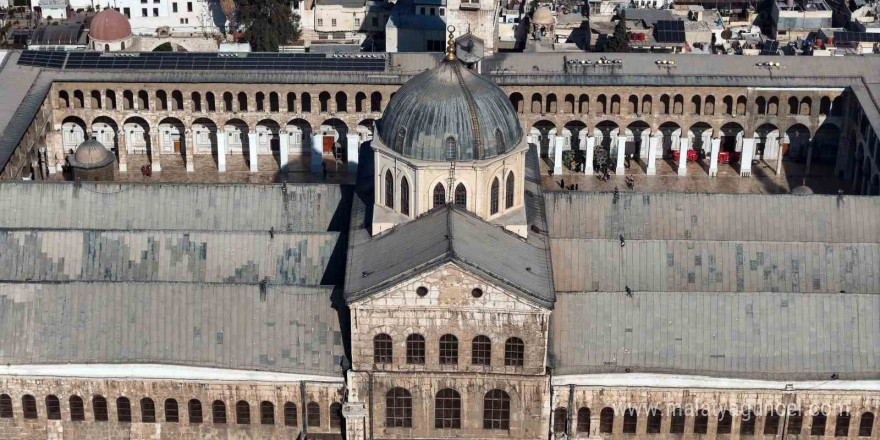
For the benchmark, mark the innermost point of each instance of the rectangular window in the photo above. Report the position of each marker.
(155, 12)
(143, 2)
(333, 22)
(357, 21)
(144, 12)
(320, 22)
(441, 12)
(189, 6)
(433, 12)
(127, 12)
(174, 7)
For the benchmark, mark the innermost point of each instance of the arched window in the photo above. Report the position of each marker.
(336, 415)
(771, 423)
(313, 414)
(218, 412)
(655, 419)
(583, 420)
(106, 48)
(725, 422)
(404, 196)
(29, 406)
(448, 350)
(398, 408)
(64, 98)
(481, 351)
(451, 149)
(195, 411)
(382, 349)
(99, 407)
(509, 191)
(242, 102)
(398, 141)
(242, 413)
(77, 409)
(171, 413)
(514, 352)
(267, 413)
(123, 410)
(496, 410)
(701, 421)
(866, 424)
(148, 410)
(289, 414)
(415, 349)
(606, 420)
(630, 421)
(795, 423)
(53, 407)
(841, 426)
(819, 421)
(447, 409)
(5, 406)
(747, 424)
(389, 189)
(676, 425)
(493, 197)
(461, 195)
(560, 420)
(439, 195)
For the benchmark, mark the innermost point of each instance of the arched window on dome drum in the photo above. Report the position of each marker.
(404, 196)
(499, 141)
(439, 195)
(509, 191)
(493, 202)
(389, 190)
(461, 196)
(451, 148)
(398, 141)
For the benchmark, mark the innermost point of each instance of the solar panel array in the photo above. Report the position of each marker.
(857, 37)
(771, 47)
(205, 61)
(670, 31)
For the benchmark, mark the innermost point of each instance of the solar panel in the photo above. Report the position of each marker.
(771, 47)
(670, 31)
(857, 37)
(204, 61)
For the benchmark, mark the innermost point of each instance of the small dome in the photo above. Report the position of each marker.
(802, 190)
(109, 25)
(91, 154)
(448, 113)
(543, 15)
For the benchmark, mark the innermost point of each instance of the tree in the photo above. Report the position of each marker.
(267, 23)
(228, 7)
(619, 42)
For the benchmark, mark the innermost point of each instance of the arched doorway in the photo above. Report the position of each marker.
(797, 140)
(826, 143)
(671, 138)
(237, 139)
(104, 129)
(333, 132)
(137, 133)
(365, 130)
(766, 142)
(700, 135)
(171, 136)
(300, 132)
(542, 134)
(731, 137)
(572, 134)
(73, 133)
(637, 139)
(205, 137)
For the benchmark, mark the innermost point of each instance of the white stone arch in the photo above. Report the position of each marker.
(300, 132)
(171, 135)
(104, 129)
(137, 135)
(73, 133)
(236, 132)
(268, 136)
(204, 136)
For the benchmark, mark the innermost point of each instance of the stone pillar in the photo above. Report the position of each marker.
(317, 152)
(155, 150)
(653, 149)
(682, 156)
(253, 144)
(353, 147)
(221, 150)
(621, 153)
(557, 155)
(189, 146)
(713, 161)
(284, 154)
(122, 151)
(748, 152)
(591, 151)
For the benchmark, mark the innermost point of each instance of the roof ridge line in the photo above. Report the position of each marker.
(472, 109)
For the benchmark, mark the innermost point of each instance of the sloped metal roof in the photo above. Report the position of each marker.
(724, 285)
(443, 235)
(283, 329)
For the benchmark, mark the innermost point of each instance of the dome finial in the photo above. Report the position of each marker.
(450, 46)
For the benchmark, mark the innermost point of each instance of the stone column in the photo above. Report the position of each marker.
(748, 152)
(317, 152)
(253, 144)
(713, 161)
(122, 151)
(284, 154)
(621, 153)
(189, 147)
(155, 150)
(557, 155)
(591, 151)
(354, 144)
(682, 156)
(653, 148)
(221, 150)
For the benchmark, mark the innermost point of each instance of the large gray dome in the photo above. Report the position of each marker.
(446, 102)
